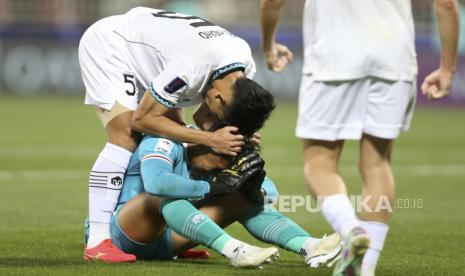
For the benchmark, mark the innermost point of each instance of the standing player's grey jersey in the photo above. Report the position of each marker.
(175, 55)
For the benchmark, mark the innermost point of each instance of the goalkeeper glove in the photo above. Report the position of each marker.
(230, 180)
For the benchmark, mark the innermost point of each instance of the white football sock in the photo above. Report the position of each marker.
(378, 232)
(105, 184)
(340, 213)
(97, 232)
(230, 248)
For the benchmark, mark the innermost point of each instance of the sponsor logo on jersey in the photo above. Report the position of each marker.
(164, 146)
(175, 85)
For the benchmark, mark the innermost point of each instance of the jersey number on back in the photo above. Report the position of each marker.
(172, 15)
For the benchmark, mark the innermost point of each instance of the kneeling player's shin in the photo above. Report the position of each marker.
(269, 225)
(192, 224)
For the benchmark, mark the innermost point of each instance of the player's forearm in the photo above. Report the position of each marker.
(161, 181)
(151, 117)
(448, 24)
(166, 127)
(270, 12)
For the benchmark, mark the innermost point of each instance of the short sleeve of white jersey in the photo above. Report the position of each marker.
(250, 69)
(171, 84)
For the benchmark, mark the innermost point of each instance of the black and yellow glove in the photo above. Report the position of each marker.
(230, 180)
(252, 188)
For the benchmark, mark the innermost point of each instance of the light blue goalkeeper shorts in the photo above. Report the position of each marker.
(160, 249)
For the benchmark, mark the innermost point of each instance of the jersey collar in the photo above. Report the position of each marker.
(222, 71)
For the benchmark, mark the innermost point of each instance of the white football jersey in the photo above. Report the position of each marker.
(351, 39)
(175, 56)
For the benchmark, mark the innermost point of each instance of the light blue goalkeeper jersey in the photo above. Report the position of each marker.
(159, 167)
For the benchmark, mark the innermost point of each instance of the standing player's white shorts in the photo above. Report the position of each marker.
(107, 77)
(341, 110)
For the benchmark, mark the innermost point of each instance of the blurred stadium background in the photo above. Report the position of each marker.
(39, 39)
(49, 140)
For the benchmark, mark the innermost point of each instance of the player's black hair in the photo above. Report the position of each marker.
(250, 108)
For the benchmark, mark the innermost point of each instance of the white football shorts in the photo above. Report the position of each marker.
(344, 110)
(106, 76)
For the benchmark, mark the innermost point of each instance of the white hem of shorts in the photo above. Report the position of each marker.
(329, 133)
(109, 106)
(385, 132)
(106, 106)
(349, 133)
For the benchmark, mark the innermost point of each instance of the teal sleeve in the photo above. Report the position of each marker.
(159, 179)
(157, 157)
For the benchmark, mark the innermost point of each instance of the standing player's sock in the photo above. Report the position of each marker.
(105, 184)
(189, 222)
(378, 232)
(270, 226)
(340, 213)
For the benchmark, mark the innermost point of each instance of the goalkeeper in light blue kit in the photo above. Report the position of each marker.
(161, 212)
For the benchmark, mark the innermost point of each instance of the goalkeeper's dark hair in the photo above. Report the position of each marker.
(251, 106)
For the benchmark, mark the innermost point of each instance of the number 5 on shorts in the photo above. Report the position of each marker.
(130, 79)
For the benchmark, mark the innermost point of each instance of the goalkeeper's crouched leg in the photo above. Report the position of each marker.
(138, 228)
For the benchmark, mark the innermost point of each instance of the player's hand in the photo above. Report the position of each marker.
(437, 85)
(278, 57)
(256, 138)
(226, 141)
(230, 180)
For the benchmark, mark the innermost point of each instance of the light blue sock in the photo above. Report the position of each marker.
(295, 244)
(269, 225)
(189, 222)
(219, 243)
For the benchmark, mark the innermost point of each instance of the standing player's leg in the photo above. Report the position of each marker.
(389, 112)
(106, 178)
(321, 159)
(105, 79)
(329, 113)
(378, 186)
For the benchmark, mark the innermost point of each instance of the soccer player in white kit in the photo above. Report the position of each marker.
(358, 82)
(181, 60)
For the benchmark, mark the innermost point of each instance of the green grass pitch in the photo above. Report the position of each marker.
(48, 145)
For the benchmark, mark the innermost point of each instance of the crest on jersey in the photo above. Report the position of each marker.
(164, 146)
(197, 219)
(175, 85)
